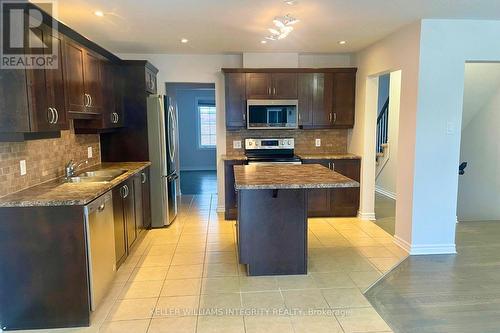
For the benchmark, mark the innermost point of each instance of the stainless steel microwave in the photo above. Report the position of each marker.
(272, 114)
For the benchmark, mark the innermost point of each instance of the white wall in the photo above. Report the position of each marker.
(479, 187)
(387, 178)
(399, 51)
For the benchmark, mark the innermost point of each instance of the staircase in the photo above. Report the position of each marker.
(382, 147)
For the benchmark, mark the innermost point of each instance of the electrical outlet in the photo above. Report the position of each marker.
(237, 144)
(22, 167)
(318, 142)
(89, 152)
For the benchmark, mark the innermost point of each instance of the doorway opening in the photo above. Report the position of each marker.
(389, 93)
(197, 135)
(478, 211)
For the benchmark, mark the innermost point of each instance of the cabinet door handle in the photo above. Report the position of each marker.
(329, 165)
(117, 117)
(334, 117)
(333, 166)
(274, 91)
(244, 116)
(57, 116)
(86, 101)
(90, 97)
(330, 117)
(269, 90)
(144, 178)
(50, 116)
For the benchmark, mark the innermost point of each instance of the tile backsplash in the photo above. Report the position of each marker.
(332, 140)
(45, 159)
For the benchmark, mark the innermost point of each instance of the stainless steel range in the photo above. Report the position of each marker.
(271, 151)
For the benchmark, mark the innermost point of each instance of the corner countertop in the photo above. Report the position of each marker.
(328, 156)
(300, 176)
(234, 158)
(58, 193)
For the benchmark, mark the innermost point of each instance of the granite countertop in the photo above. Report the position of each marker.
(328, 156)
(260, 177)
(234, 158)
(58, 193)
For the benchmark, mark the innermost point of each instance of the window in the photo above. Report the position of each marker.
(206, 129)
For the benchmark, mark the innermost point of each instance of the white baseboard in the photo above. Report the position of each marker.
(221, 209)
(366, 216)
(384, 192)
(425, 249)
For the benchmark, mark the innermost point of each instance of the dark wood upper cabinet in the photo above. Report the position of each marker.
(305, 96)
(76, 98)
(284, 85)
(343, 99)
(271, 85)
(92, 81)
(151, 86)
(235, 100)
(258, 85)
(14, 116)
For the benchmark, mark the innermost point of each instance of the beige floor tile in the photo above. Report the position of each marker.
(316, 324)
(173, 325)
(267, 300)
(190, 247)
(181, 287)
(304, 299)
(365, 279)
(333, 280)
(287, 282)
(185, 272)
(345, 298)
(188, 258)
(221, 257)
(220, 324)
(155, 261)
(176, 306)
(258, 283)
(268, 324)
(149, 274)
(132, 309)
(363, 320)
(215, 285)
(217, 237)
(385, 264)
(220, 301)
(375, 252)
(223, 269)
(158, 250)
(220, 247)
(123, 274)
(129, 326)
(193, 238)
(141, 289)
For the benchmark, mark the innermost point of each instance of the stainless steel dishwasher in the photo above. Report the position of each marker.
(99, 229)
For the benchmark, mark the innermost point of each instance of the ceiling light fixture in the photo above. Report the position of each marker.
(184, 40)
(283, 26)
(99, 13)
(342, 42)
(290, 2)
(263, 41)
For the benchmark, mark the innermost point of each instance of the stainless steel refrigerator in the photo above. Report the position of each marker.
(162, 138)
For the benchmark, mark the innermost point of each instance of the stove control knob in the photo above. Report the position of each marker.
(250, 143)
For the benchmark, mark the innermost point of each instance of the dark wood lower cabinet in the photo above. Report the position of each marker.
(231, 200)
(120, 238)
(146, 199)
(340, 202)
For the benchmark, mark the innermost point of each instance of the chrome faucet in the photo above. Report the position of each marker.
(72, 166)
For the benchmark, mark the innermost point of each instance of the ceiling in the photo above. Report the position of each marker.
(236, 26)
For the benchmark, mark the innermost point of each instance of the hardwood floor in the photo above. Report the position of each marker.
(385, 213)
(198, 182)
(446, 293)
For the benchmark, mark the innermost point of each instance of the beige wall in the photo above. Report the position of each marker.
(45, 159)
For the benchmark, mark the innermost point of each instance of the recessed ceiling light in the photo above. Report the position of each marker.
(342, 42)
(184, 40)
(99, 13)
(290, 2)
(263, 41)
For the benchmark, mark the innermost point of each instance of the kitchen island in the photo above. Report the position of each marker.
(272, 214)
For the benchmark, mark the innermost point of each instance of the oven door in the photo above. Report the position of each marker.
(272, 114)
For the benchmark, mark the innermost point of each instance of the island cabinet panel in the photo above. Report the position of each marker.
(236, 106)
(231, 203)
(272, 231)
(44, 279)
(319, 201)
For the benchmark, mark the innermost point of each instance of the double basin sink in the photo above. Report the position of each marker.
(98, 176)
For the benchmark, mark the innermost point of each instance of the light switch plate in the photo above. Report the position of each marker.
(237, 144)
(318, 142)
(450, 128)
(22, 167)
(89, 152)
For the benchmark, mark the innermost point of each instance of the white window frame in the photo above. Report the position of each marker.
(199, 105)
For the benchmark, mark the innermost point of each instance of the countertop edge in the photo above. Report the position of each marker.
(352, 184)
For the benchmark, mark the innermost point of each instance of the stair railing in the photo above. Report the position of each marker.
(383, 126)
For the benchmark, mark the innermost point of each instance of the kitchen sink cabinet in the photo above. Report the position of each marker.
(236, 106)
(231, 200)
(338, 202)
(271, 85)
